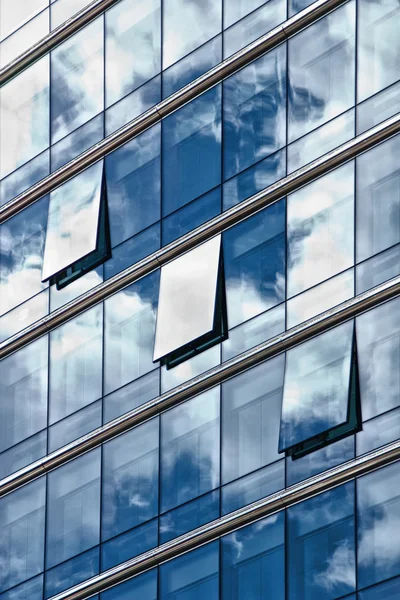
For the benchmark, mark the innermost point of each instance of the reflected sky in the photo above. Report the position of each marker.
(14, 14)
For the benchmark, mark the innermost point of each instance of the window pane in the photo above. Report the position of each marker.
(389, 590)
(251, 405)
(133, 46)
(187, 25)
(379, 431)
(24, 116)
(316, 392)
(378, 46)
(253, 561)
(77, 142)
(75, 426)
(321, 546)
(143, 586)
(75, 364)
(254, 256)
(21, 179)
(133, 185)
(72, 572)
(14, 14)
(322, 71)
(191, 150)
(255, 112)
(73, 508)
(129, 544)
(132, 395)
(189, 516)
(378, 337)
(378, 199)
(320, 229)
(191, 576)
(378, 269)
(188, 301)
(23, 393)
(190, 449)
(130, 320)
(23, 454)
(130, 479)
(378, 503)
(24, 37)
(77, 67)
(22, 533)
(31, 590)
(23, 315)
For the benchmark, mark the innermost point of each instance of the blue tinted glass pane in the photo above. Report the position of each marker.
(23, 393)
(192, 150)
(77, 81)
(21, 255)
(322, 71)
(190, 449)
(129, 544)
(22, 533)
(254, 256)
(73, 508)
(133, 185)
(254, 26)
(296, 6)
(23, 454)
(378, 199)
(24, 177)
(78, 141)
(132, 395)
(255, 112)
(378, 432)
(31, 590)
(130, 252)
(254, 179)
(24, 315)
(130, 479)
(192, 66)
(389, 590)
(76, 364)
(378, 46)
(233, 11)
(191, 216)
(253, 561)
(143, 587)
(251, 406)
(252, 487)
(75, 426)
(130, 319)
(187, 25)
(380, 107)
(191, 576)
(189, 516)
(72, 572)
(319, 460)
(378, 505)
(378, 269)
(321, 546)
(133, 46)
(316, 389)
(378, 346)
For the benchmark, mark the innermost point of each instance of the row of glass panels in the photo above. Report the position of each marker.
(85, 75)
(324, 548)
(174, 465)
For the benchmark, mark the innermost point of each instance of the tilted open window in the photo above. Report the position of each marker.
(77, 237)
(321, 400)
(192, 307)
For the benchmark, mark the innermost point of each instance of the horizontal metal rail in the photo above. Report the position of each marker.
(234, 520)
(170, 104)
(206, 231)
(205, 381)
(54, 38)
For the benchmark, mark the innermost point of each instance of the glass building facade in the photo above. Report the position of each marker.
(199, 316)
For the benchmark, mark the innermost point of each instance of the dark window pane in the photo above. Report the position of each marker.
(31, 590)
(131, 396)
(143, 586)
(130, 479)
(253, 561)
(189, 516)
(255, 112)
(321, 546)
(191, 150)
(130, 252)
(23, 454)
(129, 544)
(389, 590)
(72, 572)
(190, 449)
(75, 426)
(77, 142)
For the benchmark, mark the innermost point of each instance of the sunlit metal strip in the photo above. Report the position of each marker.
(55, 37)
(220, 223)
(205, 381)
(170, 104)
(234, 520)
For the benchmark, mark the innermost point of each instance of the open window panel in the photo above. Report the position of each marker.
(77, 236)
(321, 395)
(191, 313)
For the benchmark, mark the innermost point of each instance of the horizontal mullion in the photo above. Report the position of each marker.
(166, 107)
(236, 365)
(225, 220)
(232, 521)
